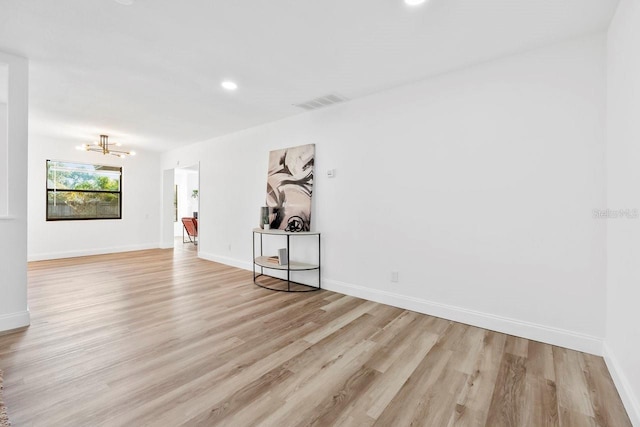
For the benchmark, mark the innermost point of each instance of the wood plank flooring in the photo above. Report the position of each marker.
(162, 338)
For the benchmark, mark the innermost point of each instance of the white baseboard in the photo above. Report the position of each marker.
(233, 262)
(533, 331)
(88, 252)
(528, 330)
(14, 320)
(629, 399)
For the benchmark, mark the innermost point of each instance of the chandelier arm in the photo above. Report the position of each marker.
(103, 147)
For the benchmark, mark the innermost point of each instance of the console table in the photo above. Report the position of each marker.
(262, 262)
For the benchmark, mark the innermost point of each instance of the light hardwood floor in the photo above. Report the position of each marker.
(166, 339)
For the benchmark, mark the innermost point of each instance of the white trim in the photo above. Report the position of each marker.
(14, 320)
(520, 328)
(225, 260)
(88, 252)
(629, 399)
(533, 331)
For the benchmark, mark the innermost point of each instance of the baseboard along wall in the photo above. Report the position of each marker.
(555, 336)
(89, 252)
(16, 320)
(629, 399)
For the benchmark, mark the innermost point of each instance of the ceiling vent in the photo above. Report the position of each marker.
(321, 102)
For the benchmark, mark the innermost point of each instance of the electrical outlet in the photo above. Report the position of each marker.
(394, 276)
(229, 247)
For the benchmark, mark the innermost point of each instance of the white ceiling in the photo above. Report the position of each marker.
(149, 74)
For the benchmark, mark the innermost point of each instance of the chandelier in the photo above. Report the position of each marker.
(103, 147)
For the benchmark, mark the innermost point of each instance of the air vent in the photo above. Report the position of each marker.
(323, 101)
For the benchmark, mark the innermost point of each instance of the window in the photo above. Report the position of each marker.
(83, 191)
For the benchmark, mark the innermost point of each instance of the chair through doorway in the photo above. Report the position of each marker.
(190, 225)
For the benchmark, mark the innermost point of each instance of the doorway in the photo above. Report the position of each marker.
(185, 204)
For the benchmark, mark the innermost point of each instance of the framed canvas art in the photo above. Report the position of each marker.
(290, 186)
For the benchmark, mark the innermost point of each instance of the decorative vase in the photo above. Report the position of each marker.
(264, 216)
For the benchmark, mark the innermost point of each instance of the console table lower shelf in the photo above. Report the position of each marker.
(264, 280)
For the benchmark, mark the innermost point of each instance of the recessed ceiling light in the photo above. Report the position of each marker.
(414, 2)
(229, 85)
(125, 2)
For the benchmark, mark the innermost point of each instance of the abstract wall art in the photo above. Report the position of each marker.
(289, 187)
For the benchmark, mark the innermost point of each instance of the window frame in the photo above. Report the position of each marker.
(54, 190)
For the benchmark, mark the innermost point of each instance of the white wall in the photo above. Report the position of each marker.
(14, 312)
(139, 227)
(4, 158)
(623, 192)
(167, 233)
(180, 181)
(476, 186)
